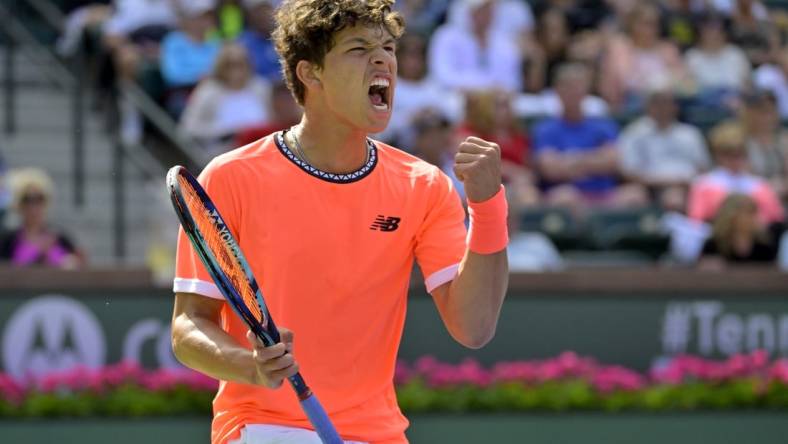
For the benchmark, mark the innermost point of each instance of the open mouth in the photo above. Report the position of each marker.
(379, 94)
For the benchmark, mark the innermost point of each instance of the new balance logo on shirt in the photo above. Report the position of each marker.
(383, 223)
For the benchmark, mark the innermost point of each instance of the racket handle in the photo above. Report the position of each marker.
(314, 411)
(319, 419)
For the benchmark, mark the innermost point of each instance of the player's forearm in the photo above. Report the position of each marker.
(200, 344)
(474, 299)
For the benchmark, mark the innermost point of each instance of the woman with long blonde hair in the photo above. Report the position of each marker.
(738, 236)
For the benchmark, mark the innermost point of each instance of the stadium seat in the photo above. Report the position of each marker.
(628, 230)
(607, 259)
(556, 223)
(704, 117)
(778, 5)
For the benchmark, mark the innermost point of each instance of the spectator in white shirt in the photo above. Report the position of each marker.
(718, 67)
(476, 56)
(662, 153)
(416, 92)
(232, 99)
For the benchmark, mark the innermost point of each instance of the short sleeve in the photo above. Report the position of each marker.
(190, 274)
(700, 206)
(771, 208)
(440, 242)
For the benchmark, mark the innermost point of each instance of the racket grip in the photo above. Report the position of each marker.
(319, 419)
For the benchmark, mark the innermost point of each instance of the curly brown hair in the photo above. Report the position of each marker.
(306, 29)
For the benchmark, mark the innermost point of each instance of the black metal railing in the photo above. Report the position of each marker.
(9, 93)
(18, 39)
(17, 33)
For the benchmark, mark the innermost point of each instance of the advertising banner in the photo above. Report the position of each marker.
(46, 331)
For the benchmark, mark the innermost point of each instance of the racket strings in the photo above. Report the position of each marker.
(220, 248)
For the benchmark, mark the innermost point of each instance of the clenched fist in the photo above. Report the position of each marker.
(478, 165)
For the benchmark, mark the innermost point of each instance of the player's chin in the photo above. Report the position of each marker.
(377, 122)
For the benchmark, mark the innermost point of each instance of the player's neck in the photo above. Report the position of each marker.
(331, 146)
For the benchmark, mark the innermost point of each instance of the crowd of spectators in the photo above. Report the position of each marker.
(598, 105)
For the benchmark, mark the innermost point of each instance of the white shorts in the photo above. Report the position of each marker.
(275, 434)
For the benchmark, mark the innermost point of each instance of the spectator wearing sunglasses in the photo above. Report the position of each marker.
(35, 242)
(732, 176)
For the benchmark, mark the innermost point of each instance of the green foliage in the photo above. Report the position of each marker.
(578, 395)
(123, 401)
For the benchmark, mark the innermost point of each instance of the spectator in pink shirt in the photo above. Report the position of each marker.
(732, 176)
(35, 242)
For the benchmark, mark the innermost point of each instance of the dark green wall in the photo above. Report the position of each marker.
(628, 329)
(693, 428)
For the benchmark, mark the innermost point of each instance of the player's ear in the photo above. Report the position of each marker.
(308, 74)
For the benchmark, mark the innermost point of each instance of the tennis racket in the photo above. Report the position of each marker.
(222, 257)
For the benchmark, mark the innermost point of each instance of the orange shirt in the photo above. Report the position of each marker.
(333, 255)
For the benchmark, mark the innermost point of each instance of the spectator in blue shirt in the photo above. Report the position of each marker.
(577, 155)
(257, 39)
(188, 54)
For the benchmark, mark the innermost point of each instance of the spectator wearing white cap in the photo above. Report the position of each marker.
(257, 39)
(469, 53)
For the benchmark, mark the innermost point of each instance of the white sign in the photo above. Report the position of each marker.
(708, 328)
(51, 333)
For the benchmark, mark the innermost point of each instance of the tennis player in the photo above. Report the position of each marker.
(331, 223)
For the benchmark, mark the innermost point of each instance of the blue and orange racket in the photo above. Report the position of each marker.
(222, 257)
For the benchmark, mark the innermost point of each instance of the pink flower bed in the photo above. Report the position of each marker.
(604, 378)
(105, 379)
(436, 374)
